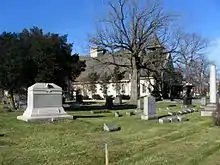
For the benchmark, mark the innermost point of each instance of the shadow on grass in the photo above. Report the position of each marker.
(88, 116)
(162, 116)
(100, 107)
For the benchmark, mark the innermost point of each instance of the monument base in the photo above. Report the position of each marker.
(43, 118)
(208, 109)
(148, 117)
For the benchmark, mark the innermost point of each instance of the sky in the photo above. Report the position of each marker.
(77, 19)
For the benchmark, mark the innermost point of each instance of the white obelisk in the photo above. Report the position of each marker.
(212, 87)
(211, 106)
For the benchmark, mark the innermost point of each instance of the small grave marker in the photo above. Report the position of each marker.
(117, 114)
(164, 120)
(111, 127)
(173, 119)
(130, 113)
(181, 119)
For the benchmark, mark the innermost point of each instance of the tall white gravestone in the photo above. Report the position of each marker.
(44, 103)
(213, 93)
(149, 111)
(212, 86)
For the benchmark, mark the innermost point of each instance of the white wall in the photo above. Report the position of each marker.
(147, 84)
(126, 88)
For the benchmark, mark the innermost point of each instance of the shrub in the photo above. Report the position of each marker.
(216, 116)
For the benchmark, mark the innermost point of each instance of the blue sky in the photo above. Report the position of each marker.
(76, 18)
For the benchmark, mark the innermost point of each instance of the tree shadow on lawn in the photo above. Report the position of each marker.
(100, 107)
(88, 116)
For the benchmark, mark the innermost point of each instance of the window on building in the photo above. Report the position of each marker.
(123, 88)
(144, 88)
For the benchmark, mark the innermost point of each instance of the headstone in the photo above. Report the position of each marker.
(100, 111)
(181, 112)
(164, 120)
(189, 110)
(203, 101)
(117, 114)
(149, 111)
(173, 119)
(44, 103)
(111, 127)
(181, 118)
(172, 113)
(195, 110)
(185, 111)
(130, 113)
(109, 102)
(118, 100)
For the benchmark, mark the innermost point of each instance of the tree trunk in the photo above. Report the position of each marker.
(135, 84)
(12, 99)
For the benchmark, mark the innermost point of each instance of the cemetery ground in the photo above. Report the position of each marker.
(81, 141)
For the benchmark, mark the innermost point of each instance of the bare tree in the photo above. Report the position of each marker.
(129, 27)
(199, 73)
(190, 55)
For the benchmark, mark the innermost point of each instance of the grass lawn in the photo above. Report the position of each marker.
(81, 141)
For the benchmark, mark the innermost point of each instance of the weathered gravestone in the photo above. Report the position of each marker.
(130, 113)
(44, 103)
(173, 119)
(118, 100)
(149, 111)
(117, 114)
(181, 118)
(111, 127)
(164, 120)
(204, 101)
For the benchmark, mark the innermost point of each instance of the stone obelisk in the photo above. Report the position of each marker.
(211, 106)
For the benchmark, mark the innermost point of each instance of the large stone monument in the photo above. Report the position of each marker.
(211, 106)
(149, 111)
(44, 102)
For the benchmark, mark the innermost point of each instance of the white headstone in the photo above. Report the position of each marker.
(149, 111)
(203, 101)
(44, 103)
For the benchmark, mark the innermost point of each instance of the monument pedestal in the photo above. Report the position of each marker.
(44, 103)
(44, 118)
(209, 109)
(148, 117)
